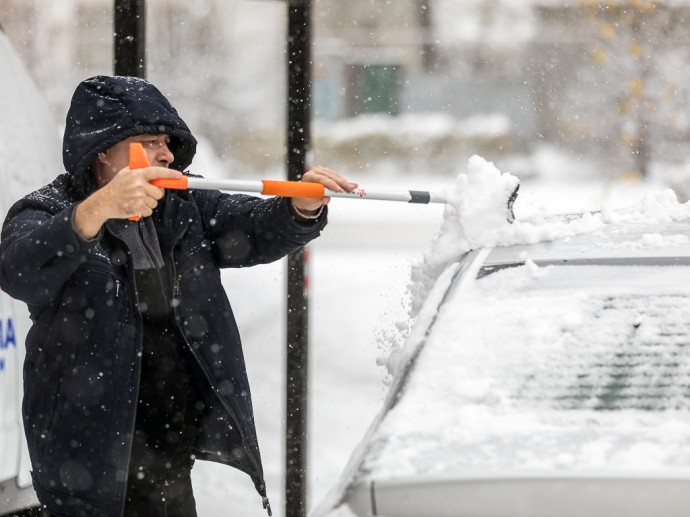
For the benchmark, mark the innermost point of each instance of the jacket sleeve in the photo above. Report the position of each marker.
(246, 230)
(39, 251)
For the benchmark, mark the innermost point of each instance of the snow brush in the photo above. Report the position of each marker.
(294, 188)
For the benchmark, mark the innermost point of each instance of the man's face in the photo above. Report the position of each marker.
(116, 158)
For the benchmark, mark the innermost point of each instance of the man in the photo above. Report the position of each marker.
(134, 365)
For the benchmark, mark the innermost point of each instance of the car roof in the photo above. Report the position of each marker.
(624, 242)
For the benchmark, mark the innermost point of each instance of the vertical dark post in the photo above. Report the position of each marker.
(297, 356)
(425, 18)
(130, 38)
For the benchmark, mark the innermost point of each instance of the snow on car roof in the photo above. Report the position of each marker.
(558, 368)
(623, 241)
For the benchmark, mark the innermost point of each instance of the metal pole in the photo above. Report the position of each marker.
(297, 356)
(130, 38)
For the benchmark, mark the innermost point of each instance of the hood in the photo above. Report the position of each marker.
(106, 110)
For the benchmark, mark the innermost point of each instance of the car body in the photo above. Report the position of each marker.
(29, 158)
(545, 379)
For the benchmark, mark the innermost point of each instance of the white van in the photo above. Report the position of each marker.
(29, 158)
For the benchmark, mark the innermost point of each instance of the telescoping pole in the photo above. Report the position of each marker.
(297, 353)
(130, 38)
(299, 189)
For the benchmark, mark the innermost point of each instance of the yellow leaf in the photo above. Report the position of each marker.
(636, 88)
(607, 31)
(635, 50)
(642, 5)
(599, 56)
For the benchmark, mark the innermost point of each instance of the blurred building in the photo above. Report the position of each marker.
(365, 51)
(369, 55)
(60, 42)
(610, 80)
(582, 74)
(462, 59)
(220, 62)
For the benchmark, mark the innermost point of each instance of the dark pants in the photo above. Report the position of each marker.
(159, 482)
(169, 410)
(159, 485)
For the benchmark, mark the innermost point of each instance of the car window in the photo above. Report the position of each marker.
(595, 337)
(627, 349)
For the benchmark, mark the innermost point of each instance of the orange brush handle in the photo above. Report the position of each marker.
(137, 160)
(180, 183)
(293, 189)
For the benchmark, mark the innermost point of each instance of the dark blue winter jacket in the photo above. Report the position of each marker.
(82, 367)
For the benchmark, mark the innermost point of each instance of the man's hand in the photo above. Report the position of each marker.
(128, 194)
(329, 179)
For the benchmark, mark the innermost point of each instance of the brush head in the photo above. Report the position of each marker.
(511, 201)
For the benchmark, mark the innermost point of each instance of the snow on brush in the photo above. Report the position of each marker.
(477, 216)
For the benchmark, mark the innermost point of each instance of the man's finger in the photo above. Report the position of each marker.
(338, 178)
(152, 173)
(328, 178)
(153, 191)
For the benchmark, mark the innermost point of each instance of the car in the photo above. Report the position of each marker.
(29, 157)
(543, 378)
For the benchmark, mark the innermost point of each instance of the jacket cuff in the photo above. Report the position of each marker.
(65, 238)
(94, 239)
(304, 223)
(302, 217)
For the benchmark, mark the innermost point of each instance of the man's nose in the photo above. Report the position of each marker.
(164, 154)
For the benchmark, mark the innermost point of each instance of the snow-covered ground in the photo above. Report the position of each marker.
(360, 270)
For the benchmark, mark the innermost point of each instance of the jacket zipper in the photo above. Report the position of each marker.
(176, 287)
(112, 276)
(176, 292)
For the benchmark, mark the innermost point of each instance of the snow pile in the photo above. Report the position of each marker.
(411, 143)
(657, 207)
(414, 128)
(656, 240)
(30, 145)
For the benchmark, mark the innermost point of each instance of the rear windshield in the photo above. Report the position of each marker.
(597, 337)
